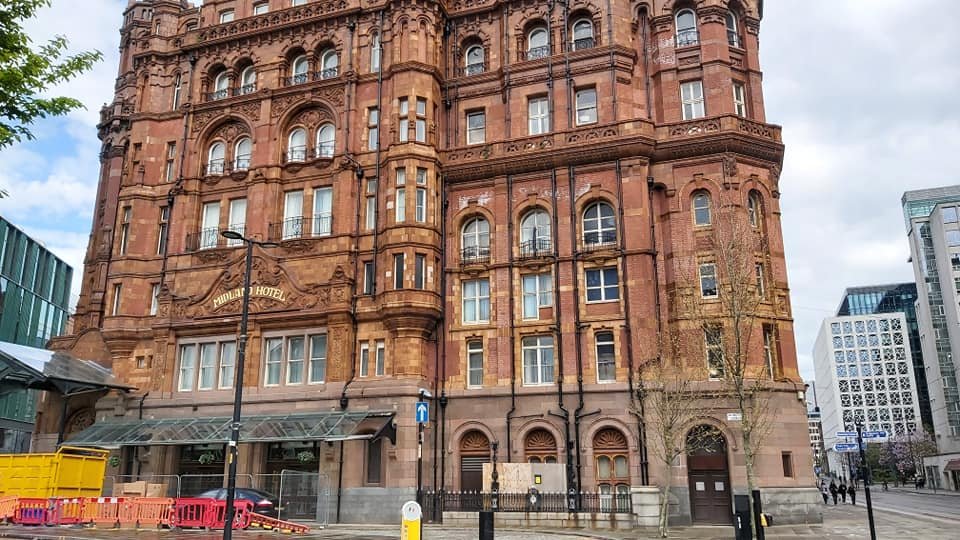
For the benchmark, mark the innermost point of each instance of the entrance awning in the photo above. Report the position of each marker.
(952, 465)
(321, 426)
(29, 367)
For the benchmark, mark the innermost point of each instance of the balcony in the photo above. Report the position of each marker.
(297, 154)
(329, 73)
(298, 227)
(218, 94)
(536, 248)
(688, 38)
(299, 78)
(245, 89)
(475, 255)
(536, 53)
(597, 241)
(216, 167)
(584, 43)
(211, 238)
(473, 69)
(324, 150)
(241, 163)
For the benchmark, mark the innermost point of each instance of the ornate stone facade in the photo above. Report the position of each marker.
(507, 245)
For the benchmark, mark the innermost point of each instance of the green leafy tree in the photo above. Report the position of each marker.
(26, 73)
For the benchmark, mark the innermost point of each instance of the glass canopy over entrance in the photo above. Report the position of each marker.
(321, 426)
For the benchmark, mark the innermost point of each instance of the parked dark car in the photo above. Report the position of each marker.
(263, 502)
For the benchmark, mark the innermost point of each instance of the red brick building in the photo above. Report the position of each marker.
(481, 199)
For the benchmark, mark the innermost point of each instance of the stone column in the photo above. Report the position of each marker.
(646, 506)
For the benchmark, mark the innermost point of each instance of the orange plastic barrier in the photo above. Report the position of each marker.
(8, 508)
(218, 510)
(102, 510)
(263, 522)
(65, 512)
(191, 512)
(154, 511)
(32, 512)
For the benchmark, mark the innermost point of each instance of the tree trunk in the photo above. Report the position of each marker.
(665, 505)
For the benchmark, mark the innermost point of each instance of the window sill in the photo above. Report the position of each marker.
(610, 301)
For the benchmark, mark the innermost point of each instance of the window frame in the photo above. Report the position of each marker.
(373, 128)
(474, 349)
(326, 147)
(477, 299)
(539, 294)
(705, 277)
(714, 350)
(696, 102)
(604, 288)
(399, 261)
(536, 52)
(733, 29)
(582, 42)
(241, 160)
(686, 36)
(481, 130)
(472, 68)
(608, 364)
(227, 16)
(420, 208)
(533, 234)
(329, 64)
(420, 271)
(477, 240)
(400, 205)
(218, 343)
(261, 8)
(540, 366)
(579, 108)
(739, 99)
(699, 211)
(594, 225)
(297, 153)
(538, 122)
(215, 165)
(322, 213)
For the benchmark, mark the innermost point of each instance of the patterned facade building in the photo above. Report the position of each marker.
(484, 200)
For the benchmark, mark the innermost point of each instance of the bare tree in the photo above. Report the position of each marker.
(673, 404)
(728, 304)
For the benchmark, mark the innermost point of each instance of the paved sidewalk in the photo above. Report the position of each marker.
(843, 522)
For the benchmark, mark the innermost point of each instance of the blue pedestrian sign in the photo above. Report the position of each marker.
(423, 412)
(845, 447)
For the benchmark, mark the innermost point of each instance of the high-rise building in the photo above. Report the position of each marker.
(34, 306)
(934, 236)
(485, 201)
(864, 376)
(894, 298)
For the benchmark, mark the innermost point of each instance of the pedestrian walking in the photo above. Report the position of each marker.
(833, 492)
(824, 491)
(853, 495)
(885, 486)
(843, 491)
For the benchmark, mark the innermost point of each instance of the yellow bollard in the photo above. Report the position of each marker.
(410, 527)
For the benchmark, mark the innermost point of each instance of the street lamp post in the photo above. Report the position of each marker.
(238, 380)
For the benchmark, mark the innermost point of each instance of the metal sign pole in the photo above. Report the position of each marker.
(865, 473)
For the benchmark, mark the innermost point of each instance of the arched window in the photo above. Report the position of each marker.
(475, 240)
(177, 89)
(215, 157)
(241, 154)
(326, 140)
(297, 145)
(687, 28)
(599, 227)
(473, 60)
(248, 80)
(221, 86)
(583, 34)
(733, 37)
(540, 446)
(535, 234)
(329, 63)
(299, 69)
(754, 209)
(613, 471)
(375, 52)
(701, 208)
(538, 43)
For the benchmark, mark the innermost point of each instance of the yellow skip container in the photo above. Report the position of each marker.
(70, 472)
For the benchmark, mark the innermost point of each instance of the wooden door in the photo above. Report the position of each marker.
(710, 497)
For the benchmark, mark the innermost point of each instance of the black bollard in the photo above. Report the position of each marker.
(486, 525)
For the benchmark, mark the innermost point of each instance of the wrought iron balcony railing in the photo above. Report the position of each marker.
(538, 247)
(218, 94)
(536, 53)
(245, 89)
(687, 38)
(584, 43)
(475, 255)
(329, 73)
(294, 228)
(211, 238)
(593, 241)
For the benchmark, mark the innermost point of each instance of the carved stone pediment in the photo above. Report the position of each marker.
(272, 288)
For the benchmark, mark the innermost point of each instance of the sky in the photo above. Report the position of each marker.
(865, 91)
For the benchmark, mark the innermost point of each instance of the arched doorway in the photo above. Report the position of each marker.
(539, 446)
(474, 452)
(613, 470)
(708, 476)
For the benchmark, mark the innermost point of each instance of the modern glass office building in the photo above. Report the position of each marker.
(34, 296)
(894, 298)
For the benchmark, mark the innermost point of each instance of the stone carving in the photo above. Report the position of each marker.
(230, 131)
(609, 439)
(250, 110)
(729, 165)
(755, 128)
(695, 128)
(272, 289)
(592, 134)
(475, 442)
(80, 420)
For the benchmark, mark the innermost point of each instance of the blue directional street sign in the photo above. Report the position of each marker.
(423, 412)
(874, 434)
(846, 434)
(845, 447)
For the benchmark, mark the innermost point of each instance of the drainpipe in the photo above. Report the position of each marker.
(644, 40)
(440, 347)
(578, 330)
(136, 449)
(340, 482)
(513, 324)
